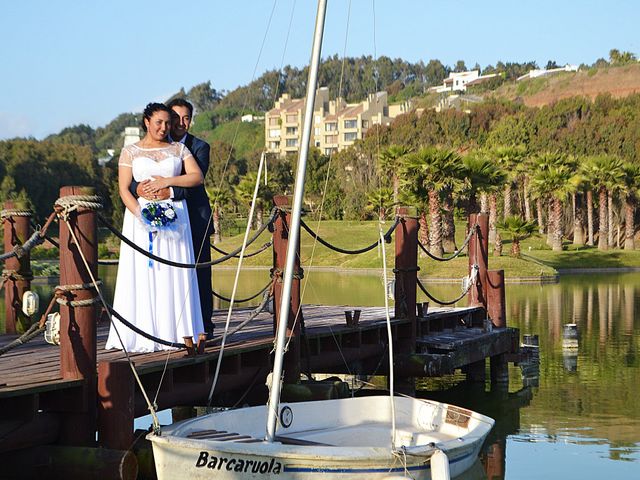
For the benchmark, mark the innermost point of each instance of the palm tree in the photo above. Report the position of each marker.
(244, 194)
(519, 229)
(219, 198)
(430, 170)
(380, 201)
(483, 175)
(630, 189)
(389, 162)
(554, 180)
(509, 157)
(602, 171)
(417, 196)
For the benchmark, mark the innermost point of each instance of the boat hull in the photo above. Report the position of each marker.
(346, 439)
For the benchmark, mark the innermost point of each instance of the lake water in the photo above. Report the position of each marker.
(582, 420)
(581, 417)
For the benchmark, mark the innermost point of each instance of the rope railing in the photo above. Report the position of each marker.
(242, 300)
(217, 261)
(20, 250)
(142, 332)
(470, 281)
(45, 236)
(387, 238)
(472, 231)
(246, 255)
(254, 313)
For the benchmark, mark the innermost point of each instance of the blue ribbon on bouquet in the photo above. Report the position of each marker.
(150, 248)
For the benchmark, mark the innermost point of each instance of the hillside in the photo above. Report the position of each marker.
(618, 81)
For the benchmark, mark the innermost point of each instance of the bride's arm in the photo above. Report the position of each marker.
(125, 177)
(191, 178)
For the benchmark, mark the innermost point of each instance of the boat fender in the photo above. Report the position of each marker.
(52, 329)
(440, 466)
(30, 303)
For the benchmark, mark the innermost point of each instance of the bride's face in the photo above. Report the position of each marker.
(158, 125)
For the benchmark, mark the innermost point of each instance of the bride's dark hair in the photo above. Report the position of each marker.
(152, 108)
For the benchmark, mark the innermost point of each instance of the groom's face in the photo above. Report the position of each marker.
(180, 122)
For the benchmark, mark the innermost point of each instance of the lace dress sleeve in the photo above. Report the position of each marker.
(126, 158)
(185, 152)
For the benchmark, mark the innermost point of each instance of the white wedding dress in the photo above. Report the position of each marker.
(159, 299)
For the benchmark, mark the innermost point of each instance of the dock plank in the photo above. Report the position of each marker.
(35, 367)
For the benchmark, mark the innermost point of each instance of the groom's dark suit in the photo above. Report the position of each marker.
(201, 224)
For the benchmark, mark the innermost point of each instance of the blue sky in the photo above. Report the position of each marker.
(68, 62)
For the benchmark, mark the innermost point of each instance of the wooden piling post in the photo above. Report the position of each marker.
(116, 388)
(280, 242)
(496, 307)
(78, 323)
(16, 270)
(478, 255)
(406, 273)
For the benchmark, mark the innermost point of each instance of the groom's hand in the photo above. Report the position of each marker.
(145, 191)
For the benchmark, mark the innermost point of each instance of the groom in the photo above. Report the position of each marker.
(197, 202)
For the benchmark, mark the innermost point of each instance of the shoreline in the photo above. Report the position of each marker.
(538, 279)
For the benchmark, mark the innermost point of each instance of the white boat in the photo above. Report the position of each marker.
(368, 437)
(347, 439)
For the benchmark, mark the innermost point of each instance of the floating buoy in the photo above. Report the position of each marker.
(440, 466)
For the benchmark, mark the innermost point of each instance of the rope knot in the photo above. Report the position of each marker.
(65, 205)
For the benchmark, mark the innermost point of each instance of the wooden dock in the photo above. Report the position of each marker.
(449, 338)
(77, 395)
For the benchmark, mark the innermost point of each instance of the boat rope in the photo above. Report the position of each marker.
(164, 261)
(242, 300)
(390, 341)
(386, 236)
(65, 207)
(472, 231)
(467, 282)
(237, 276)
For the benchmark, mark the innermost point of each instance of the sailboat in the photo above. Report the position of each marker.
(372, 437)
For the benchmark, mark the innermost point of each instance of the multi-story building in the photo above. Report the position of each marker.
(336, 124)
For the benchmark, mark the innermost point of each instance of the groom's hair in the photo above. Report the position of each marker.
(180, 102)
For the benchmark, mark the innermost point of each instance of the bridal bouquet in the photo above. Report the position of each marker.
(158, 215)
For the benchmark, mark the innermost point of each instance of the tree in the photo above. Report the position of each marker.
(460, 66)
(219, 199)
(630, 189)
(429, 170)
(204, 97)
(389, 162)
(554, 180)
(519, 229)
(380, 201)
(483, 176)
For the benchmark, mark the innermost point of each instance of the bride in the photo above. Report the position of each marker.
(159, 299)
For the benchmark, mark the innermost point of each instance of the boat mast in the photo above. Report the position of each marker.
(294, 228)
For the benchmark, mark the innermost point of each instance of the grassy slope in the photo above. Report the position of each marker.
(618, 81)
(353, 235)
